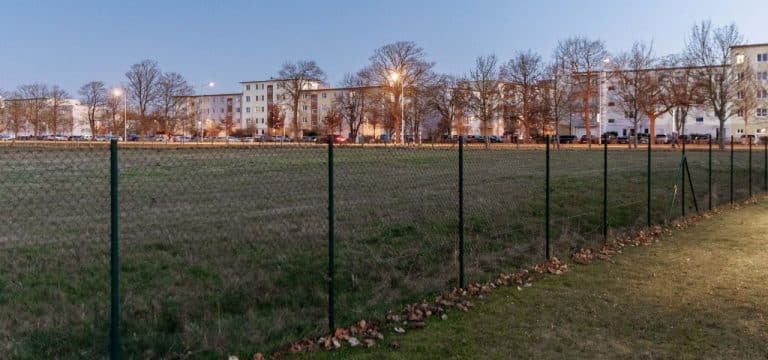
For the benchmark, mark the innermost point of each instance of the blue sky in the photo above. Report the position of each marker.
(71, 42)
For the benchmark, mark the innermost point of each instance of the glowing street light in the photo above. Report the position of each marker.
(117, 92)
(395, 76)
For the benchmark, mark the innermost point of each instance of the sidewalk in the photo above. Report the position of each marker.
(699, 293)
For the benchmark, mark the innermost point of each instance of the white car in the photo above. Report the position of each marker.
(4, 137)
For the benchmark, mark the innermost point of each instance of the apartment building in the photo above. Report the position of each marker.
(751, 68)
(214, 114)
(259, 95)
(72, 118)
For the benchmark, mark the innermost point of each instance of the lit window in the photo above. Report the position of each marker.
(740, 58)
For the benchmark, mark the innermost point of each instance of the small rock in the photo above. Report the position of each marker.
(399, 330)
(444, 317)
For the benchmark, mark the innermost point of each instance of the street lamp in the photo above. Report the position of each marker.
(395, 76)
(210, 84)
(606, 61)
(117, 92)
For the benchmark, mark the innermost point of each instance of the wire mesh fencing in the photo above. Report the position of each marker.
(238, 248)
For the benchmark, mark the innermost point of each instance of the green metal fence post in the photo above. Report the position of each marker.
(709, 180)
(116, 346)
(648, 183)
(605, 190)
(547, 200)
(731, 181)
(462, 282)
(682, 180)
(750, 166)
(331, 226)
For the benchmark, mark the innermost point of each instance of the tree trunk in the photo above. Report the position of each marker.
(652, 128)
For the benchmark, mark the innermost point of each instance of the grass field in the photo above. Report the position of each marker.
(698, 293)
(224, 249)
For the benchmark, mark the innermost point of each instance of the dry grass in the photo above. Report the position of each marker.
(223, 249)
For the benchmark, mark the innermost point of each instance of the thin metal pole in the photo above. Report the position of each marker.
(462, 282)
(648, 181)
(710, 174)
(731, 182)
(605, 191)
(750, 166)
(331, 269)
(765, 165)
(682, 180)
(125, 116)
(116, 347)
(547, 201)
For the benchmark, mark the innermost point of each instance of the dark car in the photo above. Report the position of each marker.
(622, 140)
(586, 139)
(568, 139)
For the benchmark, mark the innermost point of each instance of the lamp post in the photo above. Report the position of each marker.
(209, 84)
(395, 76)
(606, 61)
(118, 93)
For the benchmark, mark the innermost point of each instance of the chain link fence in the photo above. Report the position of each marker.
(230, 249)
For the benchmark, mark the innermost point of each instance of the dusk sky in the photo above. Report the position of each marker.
(72, 42)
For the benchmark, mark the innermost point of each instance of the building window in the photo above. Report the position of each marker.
(611, 121)
(247, 87)
(262, 97)
(762, 112)
(304, 107)
(237, 110)
(740, 95)
(741, 76)
(304, 120)
(611, 103)
(247, 109)
(262, 109)
(611, 88)
(325, 95)
(762, 94)
(762, 75)
(247, 99)
(740, 58)
(699, 119)
(762, 57)
(262, 120)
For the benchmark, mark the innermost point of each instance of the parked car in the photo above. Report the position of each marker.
(338, 139)
(309, 138)
(663, 139)
(495, 139)
(746, 139)
(700, 138)
(585, 139)
(568, 139)
(642, 138)
(622, 140)
(4, 137)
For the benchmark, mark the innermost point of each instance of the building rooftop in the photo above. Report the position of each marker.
(749, 45)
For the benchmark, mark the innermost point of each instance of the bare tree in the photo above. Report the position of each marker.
(353, 104)
(143, 81)
(94, 96)
(15, 113)
(295, 79)
(35, 102)
(710, 49)
(748, 92)
(584, 57)
(523, 76)
(58, 119)
(686, 90)
(275, 117)
(331, 122)
(114, 105)
(398, 68)
(629, 74)
(172, 90)
(484, 92)
(450, 100)
(557, 96)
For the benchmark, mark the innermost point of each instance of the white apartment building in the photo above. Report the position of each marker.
(256, 98)
(217, 114)
(701, 119)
